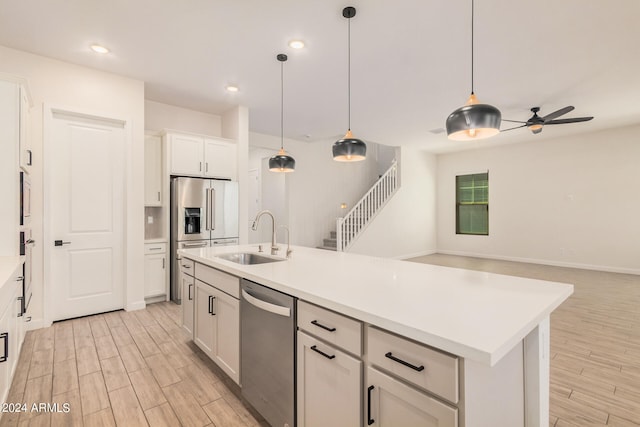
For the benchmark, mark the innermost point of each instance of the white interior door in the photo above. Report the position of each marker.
(86, 213)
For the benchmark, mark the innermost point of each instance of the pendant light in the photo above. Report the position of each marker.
(282, 162)
(349, 149)
(473, 120)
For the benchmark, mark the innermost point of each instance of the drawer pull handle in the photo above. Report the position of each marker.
(188, 267)
(320, 325)
(211, 298)
(328, 356)
(5, 336)
(402, 362)
(369, 419)
(190, 297)
(155, 249)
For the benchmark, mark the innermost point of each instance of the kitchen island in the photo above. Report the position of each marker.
(496, 326)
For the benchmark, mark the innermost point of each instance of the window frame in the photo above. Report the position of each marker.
(459, 204)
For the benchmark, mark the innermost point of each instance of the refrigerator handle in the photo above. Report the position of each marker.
(206, 204)
(212, 211)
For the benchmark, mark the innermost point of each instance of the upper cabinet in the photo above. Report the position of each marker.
(194, 155)
(152, 171)
(26, 155)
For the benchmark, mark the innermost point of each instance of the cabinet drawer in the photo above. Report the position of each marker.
(413, 362)
(187, 266)
(155, 248)
(332, 327)
(223, 281)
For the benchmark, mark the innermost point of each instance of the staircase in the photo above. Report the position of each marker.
(331, 243)
(357, 219)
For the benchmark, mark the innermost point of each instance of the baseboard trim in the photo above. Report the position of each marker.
(415, 255)
(606, 268)
(35, 324)
(133, 306)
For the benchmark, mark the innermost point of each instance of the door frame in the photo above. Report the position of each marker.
(79, 113)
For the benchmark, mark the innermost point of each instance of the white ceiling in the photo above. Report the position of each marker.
(410, 59)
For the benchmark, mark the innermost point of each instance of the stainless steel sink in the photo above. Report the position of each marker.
(248, 258)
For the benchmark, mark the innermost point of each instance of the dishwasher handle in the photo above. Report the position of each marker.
(266, 306)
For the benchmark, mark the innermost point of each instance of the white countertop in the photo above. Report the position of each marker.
(473, 314)
(8, 266)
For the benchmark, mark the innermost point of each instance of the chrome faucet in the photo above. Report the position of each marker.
(289, 250)
(254, 227)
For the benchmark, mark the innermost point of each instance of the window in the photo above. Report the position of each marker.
(472, 204)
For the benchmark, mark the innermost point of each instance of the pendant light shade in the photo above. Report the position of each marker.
(473, 120)
(349, 149)
(282, 162)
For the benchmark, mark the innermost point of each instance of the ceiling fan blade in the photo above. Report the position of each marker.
(517, 127)
(558, 113)
(564, 121)
(536, 131)
(513, 121)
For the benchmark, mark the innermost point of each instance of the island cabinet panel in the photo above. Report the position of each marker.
(217, 318)
(391, 403)
(332, 327)
(423, 366)
(329, 385)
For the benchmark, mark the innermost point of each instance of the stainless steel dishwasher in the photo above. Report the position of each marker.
(267, 370)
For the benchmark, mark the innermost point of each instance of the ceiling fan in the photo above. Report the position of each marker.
(536, 123)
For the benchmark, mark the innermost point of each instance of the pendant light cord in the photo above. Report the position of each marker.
(282, 105)
(472, 14)
(349, 72)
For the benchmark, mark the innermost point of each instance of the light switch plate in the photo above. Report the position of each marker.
(149, 220)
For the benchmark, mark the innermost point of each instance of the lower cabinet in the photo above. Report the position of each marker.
(217, 327)
(329, 384)
(11, 330)
(156, 269)
(188, 291)
(390, 403)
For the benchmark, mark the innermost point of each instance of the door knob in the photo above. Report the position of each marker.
(60, 243)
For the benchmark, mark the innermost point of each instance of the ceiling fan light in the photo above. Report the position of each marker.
(349, 149)
(535, 126)
(473, 121)
(282, 162)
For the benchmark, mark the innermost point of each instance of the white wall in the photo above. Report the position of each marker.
(319, 185)
(570, 201)
(158, 116)
(406, 226)
(235, 125)
(79, 88)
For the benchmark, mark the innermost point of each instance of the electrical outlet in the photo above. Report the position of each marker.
(149, 220)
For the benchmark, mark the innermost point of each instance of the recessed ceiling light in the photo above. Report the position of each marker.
(296, 44)
(99, 49)
(232, 88)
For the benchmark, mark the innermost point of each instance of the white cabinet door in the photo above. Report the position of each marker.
(329, 385)
(188, 293)
(152, 171)
(26, 155)
(390, 403)
(226, 349)
(6, 310)
(155, 275)
(220, 159)
(205, 327)
(186, 155)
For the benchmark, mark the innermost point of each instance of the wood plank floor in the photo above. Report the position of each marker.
(123, 369)
(595, 341)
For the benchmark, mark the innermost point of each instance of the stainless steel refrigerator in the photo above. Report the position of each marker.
(204, 212)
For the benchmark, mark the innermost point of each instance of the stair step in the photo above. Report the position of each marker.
(331, 243)
(327, 248)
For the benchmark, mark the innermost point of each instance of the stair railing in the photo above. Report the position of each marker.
(355, 221)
